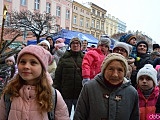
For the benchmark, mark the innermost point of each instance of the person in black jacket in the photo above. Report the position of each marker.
(142, 58)
(68, 74)
(51, 41)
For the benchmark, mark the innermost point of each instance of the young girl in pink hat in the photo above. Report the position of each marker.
(10, 61)
(31, 93)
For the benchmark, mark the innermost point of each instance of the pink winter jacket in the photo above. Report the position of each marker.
(91, 64)
(26, 108)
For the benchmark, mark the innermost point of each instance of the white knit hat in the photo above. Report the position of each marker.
(104, 41)
(114, 56)
(124, 45)
(45, 42)
(149, 71)
(11, 58)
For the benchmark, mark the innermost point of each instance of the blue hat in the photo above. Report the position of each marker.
(122, 38)
(128, 37)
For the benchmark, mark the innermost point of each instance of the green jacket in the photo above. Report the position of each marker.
(68, 78)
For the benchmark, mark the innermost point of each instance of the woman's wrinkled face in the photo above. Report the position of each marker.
(114, 72)
(29, 68)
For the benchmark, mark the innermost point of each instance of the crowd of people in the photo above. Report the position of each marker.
(49, 78)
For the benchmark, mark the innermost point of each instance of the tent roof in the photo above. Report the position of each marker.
(68, 35)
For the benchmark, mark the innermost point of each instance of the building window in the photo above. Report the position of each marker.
(87, 13)
(93, 23)
(82, 10)
(107, 30)
(58, 11)
(111, 32)
(23, 2)
(67, 14)
(93, 11)
(36, 4)
(87, 24)
(81, 22)
(75, 20)
(9, 0)
(102, 26)
(97, 25)
(48, 7)
(98, 14)
(102, 15)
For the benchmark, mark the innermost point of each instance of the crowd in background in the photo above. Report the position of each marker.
(119, 83)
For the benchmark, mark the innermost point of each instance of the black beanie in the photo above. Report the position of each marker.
(155, 46)
(144, 42)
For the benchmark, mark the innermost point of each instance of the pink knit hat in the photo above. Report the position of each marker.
(11, 58)
(61, 40)
(39, 52)
(157, 67)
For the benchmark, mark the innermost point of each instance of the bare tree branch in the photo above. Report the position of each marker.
(39, 24)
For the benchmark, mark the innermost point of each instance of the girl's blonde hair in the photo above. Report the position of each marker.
(43, 90)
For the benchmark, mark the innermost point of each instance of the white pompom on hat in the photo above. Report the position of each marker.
(111, 57)
(149, 71)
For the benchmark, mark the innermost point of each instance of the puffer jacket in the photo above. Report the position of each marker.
(91, 64)
(147, 106)
(68, 75)
(52, 68)
(143, 59)
(96, 97)
(25, 107)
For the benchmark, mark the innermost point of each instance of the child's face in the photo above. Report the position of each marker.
(132, 41)
(9, 62)
(145, 82)
(29, 68)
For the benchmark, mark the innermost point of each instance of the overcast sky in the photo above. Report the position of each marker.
(141, 15)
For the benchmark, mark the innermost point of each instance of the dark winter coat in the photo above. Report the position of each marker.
(97, 102)
(141, 60)
(144, 59)
(68, 78)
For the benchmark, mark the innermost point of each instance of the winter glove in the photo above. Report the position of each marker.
(85, 80)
